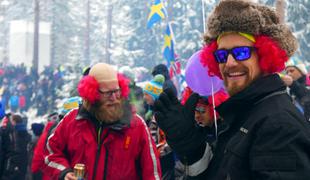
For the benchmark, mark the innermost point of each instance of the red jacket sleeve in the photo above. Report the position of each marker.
(149, 160)
(55, 159)
(38, 153)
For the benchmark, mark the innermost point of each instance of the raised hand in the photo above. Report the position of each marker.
(178, 122)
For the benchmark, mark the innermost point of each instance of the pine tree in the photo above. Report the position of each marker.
(298, 15)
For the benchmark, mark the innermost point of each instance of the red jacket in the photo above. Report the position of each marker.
(126, 152)
(37, 163)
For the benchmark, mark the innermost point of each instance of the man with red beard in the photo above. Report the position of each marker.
(104, 134)
(266, 137)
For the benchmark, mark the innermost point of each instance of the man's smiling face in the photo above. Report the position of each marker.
(237, 75)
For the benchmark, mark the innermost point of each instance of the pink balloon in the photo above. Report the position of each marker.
(197, 78)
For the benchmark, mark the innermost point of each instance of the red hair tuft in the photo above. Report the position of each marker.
(88, 89)
(219, 97)
(207, 59)
(186, 94)
(271, 57)
(123, 83)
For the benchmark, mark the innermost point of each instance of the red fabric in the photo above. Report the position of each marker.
(22, 101)
(39, 151)
(125, 149)
(271, 57)
(175, 69)
(123, 83)
(308, 79)
(4, 122)
(207, 59)
(186, 94)
(2, 72)
(219, 97)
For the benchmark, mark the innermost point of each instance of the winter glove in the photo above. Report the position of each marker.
(178, 123)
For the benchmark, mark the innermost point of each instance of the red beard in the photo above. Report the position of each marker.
(107, 113)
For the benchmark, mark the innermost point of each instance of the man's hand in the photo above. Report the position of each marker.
(288, 80)
(178, 122)
(70, 176)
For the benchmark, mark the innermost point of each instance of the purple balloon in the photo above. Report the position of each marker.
(197, 78)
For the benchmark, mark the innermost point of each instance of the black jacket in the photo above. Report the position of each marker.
(301, 94)
(16, 154)
(267, 137)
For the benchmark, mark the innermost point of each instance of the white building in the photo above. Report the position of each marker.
(21, 43)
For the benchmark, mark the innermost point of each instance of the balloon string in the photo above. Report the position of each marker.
(203, 16)
(214, 112)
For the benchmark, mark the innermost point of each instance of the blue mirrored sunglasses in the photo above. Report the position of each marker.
(240, 53)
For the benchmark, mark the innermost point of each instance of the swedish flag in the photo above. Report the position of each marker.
(157, 13)
(169, 46)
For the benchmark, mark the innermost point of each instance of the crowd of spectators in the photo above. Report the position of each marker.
(22, 88)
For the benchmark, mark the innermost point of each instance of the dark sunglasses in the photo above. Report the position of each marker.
(240, 53)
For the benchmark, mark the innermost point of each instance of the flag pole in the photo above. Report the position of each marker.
(212, 88)
(168, 22)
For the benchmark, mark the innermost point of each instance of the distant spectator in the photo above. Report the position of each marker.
(163, 70)
(151, 92)
(38, 164)
(296, 80)
(15, 140)
(14, 101)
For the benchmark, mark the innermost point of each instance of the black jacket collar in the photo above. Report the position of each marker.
(241, 102)
(302, 79)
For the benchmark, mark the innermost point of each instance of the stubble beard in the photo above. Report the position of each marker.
(234, 87)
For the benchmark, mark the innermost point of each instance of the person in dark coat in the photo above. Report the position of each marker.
(266, 136)
(296, 80)
(2, 111)
(167, 161)
(5, 128)
(16, 155)
(163, 70)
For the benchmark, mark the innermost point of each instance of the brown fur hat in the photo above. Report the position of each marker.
(248, 17)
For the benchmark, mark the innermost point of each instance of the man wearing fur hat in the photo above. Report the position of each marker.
(296, 80)
(266, 137)
(104, 134)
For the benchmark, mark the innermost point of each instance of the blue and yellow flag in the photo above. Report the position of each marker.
(157, 13)
(169, 46)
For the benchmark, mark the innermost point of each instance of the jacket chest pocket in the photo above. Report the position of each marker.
(236, 157)
(76, 147)
(240, 144)
(123, 157)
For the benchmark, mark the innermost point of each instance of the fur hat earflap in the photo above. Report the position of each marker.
(252, 18)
